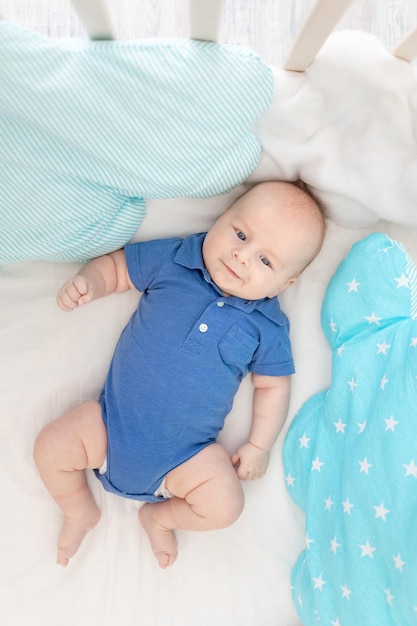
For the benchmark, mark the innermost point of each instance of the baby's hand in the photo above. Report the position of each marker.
(250, 461)
(75, 292)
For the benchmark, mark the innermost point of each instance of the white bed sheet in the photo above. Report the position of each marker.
(51, 361)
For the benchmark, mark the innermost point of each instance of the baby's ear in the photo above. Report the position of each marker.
(289, 282)
(284, 286)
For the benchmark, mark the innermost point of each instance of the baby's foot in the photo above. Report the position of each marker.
(163, 541)
(77, 523)
(72, 534)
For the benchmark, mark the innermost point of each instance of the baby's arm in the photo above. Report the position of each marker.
(270, 408)
(96, 279)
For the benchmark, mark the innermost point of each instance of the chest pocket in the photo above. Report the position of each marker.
(237, 347)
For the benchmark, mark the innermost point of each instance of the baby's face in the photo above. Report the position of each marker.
(254, 251)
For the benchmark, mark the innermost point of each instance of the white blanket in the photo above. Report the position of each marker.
(351, 137)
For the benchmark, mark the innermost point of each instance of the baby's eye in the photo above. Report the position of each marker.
(265, 261)
(241, 235)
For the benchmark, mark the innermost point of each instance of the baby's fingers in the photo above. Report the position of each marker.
(243, 472)
(66, 300)
(235, 459)
(73, 294)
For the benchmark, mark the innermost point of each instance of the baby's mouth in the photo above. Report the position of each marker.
(230, 271)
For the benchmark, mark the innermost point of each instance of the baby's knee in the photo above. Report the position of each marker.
(44, 446)
(230, 503)
(236, 506)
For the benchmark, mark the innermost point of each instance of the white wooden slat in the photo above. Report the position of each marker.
(407, 49)
(320, 22)
(95, 18)
(205, 18)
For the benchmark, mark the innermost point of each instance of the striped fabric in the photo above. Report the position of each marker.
(90, 130)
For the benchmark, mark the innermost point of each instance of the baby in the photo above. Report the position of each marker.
(208, 315)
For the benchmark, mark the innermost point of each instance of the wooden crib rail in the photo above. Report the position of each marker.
(322, 19)
(95, 18)
(205, 18)
(320, 22)
(407, 49)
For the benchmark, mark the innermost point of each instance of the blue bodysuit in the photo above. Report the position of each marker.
(179, 363)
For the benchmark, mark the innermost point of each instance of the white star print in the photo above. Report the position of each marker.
(411, 469)
(391, 423)
(317, 464)
(402, 281)
(382, 348)
(399, 563)
(352, 384)
(389, 596)
(373, 319)
(308, 541)
(367, 550)
(328, 504)
(384, 380)
(334, 545)
(347, 506)
(304, 441)
(290, 480)
(319, 583)
(340, 350)
(386, 426)
(362, 426)
(364, 466)
(340, 426)
(353, 285)
(381, 511)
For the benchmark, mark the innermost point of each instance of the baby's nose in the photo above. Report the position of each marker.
(241, 256)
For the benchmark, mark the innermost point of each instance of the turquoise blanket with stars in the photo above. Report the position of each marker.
(350, 454)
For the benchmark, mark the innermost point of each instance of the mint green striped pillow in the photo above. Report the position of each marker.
(91, 130)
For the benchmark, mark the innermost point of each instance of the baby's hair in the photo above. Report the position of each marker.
(307, 205)
(318, 206)
(304, 187)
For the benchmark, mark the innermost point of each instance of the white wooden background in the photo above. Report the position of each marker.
(267, 26)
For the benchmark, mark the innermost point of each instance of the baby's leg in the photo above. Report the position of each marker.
(63, 450)
(207, 495)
